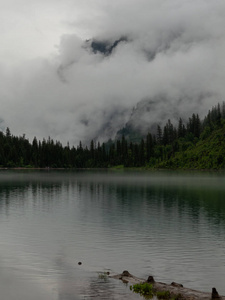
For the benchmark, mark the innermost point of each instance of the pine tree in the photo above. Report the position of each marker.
(181, 129)
(159, 135)
(149, 146)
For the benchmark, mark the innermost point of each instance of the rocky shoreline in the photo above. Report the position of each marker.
(174, 288)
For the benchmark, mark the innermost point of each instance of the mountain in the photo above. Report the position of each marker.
(146, 116)
(105, 47)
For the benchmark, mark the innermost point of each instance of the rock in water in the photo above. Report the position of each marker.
(150, 279)
(215, 294)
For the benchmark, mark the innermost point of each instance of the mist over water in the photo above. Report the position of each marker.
(167, 224)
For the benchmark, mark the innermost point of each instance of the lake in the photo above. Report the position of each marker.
(167, 224)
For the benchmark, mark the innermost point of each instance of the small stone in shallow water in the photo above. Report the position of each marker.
(150, 279)
(126, 273)
(215, 294)
(177, 284)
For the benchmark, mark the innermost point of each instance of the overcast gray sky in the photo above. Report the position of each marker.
(51, 85)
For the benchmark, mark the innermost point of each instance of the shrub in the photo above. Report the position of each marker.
(163, 295)
(145, 289)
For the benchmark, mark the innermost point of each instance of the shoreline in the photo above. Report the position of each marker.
(114, 169)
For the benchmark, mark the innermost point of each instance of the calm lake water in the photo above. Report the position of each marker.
(167, 224)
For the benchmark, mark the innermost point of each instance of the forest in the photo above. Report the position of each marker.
(196, 144)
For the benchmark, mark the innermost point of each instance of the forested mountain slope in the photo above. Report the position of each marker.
(208, 153)
(198, 144)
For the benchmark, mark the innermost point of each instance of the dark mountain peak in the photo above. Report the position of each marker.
(105, 46)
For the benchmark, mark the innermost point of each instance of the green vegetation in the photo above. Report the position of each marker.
(207, 153)
(147, 290)
(163, 295)
(144, 289)
(103, 276)
(198, 144)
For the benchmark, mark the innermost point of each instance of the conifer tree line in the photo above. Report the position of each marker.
(153, 148)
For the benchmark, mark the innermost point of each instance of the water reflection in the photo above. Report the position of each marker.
(170, 225)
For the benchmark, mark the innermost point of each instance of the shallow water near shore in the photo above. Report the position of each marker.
(167, 224)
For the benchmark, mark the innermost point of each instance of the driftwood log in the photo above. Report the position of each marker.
(174, 288)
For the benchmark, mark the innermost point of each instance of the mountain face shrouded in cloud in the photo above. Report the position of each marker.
(105, 47)
(149, 113)
(164, 58)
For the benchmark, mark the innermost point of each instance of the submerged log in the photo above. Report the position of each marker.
(174, 288)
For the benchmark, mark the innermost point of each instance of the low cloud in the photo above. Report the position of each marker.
(170, 48)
